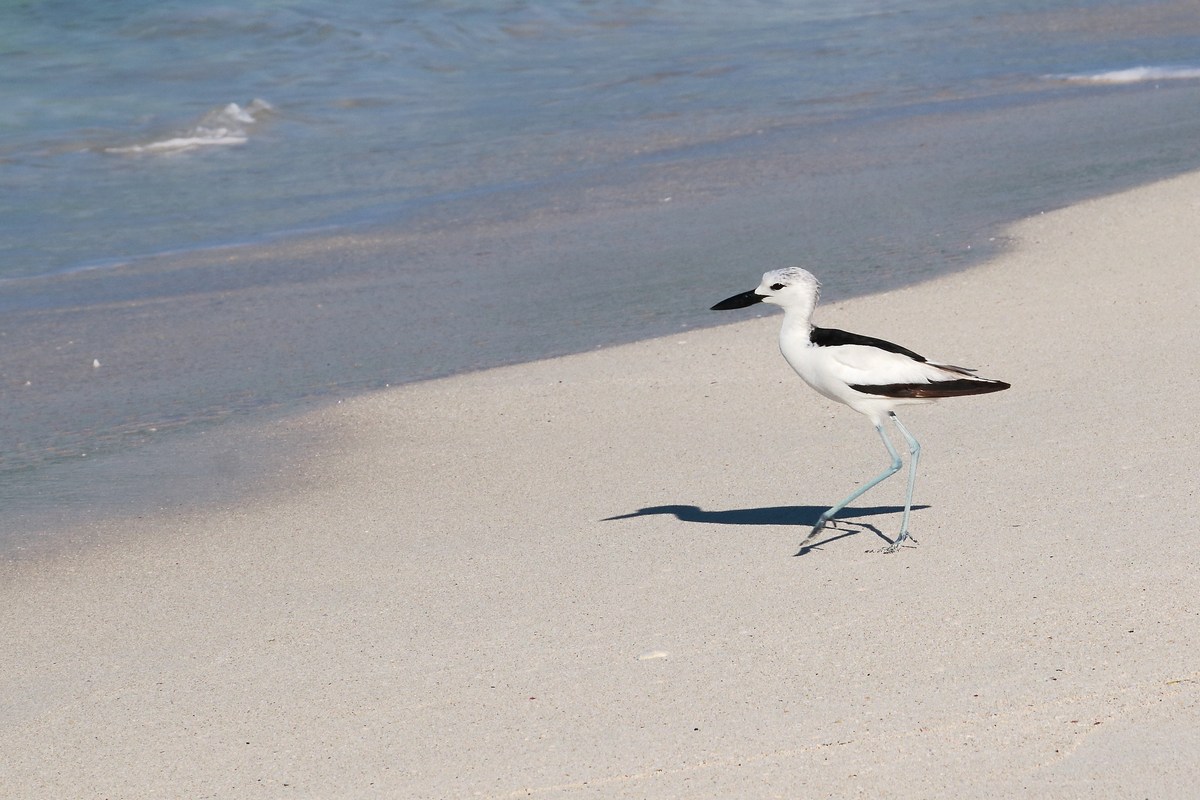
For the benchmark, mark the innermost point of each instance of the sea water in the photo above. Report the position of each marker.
(210, 210)
(131, 128)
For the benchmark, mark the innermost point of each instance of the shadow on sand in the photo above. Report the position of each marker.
(795, 516)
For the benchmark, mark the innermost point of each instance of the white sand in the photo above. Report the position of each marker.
(435, 606)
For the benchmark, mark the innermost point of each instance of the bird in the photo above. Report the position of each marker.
(872, 376)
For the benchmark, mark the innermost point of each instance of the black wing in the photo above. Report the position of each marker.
(952, 388)
(832, 337)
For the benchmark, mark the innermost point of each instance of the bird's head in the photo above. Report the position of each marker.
(790, 287)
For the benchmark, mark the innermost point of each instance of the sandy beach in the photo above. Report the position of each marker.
(579, 577)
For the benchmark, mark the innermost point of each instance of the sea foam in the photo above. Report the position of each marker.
(228, 125)
(1133, 75)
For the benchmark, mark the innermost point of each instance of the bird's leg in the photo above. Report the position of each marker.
(914, 450)
(887, 473)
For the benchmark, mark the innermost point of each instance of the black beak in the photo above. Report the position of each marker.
(739, 301)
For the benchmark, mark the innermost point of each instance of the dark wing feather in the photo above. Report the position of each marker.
(952, 388)
(832, 337)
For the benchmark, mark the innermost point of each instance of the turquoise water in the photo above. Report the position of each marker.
(132, 128)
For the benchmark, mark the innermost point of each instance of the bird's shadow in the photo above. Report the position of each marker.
(793, 516)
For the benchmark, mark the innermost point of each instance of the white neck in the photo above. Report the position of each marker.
(799, 315)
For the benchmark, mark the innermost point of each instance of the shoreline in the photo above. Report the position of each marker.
(438, 601)
(204, 335)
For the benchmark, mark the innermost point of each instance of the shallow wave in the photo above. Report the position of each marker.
(1134, 75)
(225, 126)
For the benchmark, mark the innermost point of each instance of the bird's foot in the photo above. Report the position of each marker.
(895, 546)
(816, 531)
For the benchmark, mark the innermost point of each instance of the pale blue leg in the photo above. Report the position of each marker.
(914, 450)
(887, 473)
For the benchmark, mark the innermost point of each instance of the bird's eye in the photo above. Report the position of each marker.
(775, 287)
